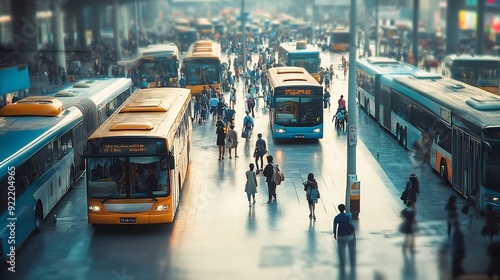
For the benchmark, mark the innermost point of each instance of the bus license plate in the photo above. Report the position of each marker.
(127, 220)
(299, 136)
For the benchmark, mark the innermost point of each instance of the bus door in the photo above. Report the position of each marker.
(466, 162)
(378, 96)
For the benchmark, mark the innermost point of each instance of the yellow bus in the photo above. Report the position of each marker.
(205, 27)
(138, 159)
(482, 71)
(202, 66)
(339, 40)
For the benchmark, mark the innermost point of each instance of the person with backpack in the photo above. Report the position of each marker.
(344, 233)
(251, 102)
(248, 125)
(312, 194)
(269, 173)
(260, 151)
(412, 188)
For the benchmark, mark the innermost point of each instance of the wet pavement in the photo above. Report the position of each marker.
(216, 235)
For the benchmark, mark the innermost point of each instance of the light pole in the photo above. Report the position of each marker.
(351, 121)
(243, 38)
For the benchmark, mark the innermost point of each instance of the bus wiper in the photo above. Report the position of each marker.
(109, 196)
(145, 192)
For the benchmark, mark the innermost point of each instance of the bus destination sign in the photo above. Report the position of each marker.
(298, 91)
(124, 149)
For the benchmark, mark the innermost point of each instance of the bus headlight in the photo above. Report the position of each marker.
(490, 198)
(317, 130)
(161, 208)
(93, 208)
(279, 130)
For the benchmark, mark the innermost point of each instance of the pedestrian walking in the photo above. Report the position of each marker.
(259, 152)
(409, 226)
(470, 208)
(494, 266)
(458, 251)
(412, 189)
(269, 170)
(312, 194)
(221, 137)
(491, 226)
(251, 185)
(232, 141)
(343, 232)
(248, 125)
(451, 210)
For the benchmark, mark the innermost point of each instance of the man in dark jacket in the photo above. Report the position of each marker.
(268, 172)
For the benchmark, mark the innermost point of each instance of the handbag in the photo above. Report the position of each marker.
(244, 134)
(404, 195)
(465, 209)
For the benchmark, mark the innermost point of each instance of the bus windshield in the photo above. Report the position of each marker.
(158, 70)
(202, 73)
(298, 111)
(108, 177)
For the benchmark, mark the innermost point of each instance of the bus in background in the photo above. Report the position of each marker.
(339, 40)
(202, 66)
(181, 22)
(14, 83)
(39, 141)
(368, 73)
(157, 64)
(296, 103)
(205, 28)
(138, 159)
(482, 71)
(184, 37)
(300, 54)
(452, 126)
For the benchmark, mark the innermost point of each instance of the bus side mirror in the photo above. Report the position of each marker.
(171, 162)
(487, 148)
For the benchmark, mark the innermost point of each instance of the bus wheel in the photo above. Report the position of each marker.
(443, 170)
(38, 217)
(404, 138)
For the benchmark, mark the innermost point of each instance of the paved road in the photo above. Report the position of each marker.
(217, 236)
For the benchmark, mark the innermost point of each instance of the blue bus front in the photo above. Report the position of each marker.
(297, 113)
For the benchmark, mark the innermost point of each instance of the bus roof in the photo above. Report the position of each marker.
(471, 58)
(22, 137)
(203, 49)
(300, 47)
(163, 50)
(151, 52)
(291, 76)
(148, 112)
(471, 108)
(384, 65)
(97, 90)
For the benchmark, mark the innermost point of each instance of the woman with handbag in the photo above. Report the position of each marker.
(312, 194)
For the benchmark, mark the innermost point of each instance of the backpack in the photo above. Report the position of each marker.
(248, 123)
(278, 176)
(251, 102)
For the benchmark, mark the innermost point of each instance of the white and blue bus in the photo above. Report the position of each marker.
(97, 99)
(296, 103)
(368, 73)
(457, 123)
(38, 139)
(301, 55)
